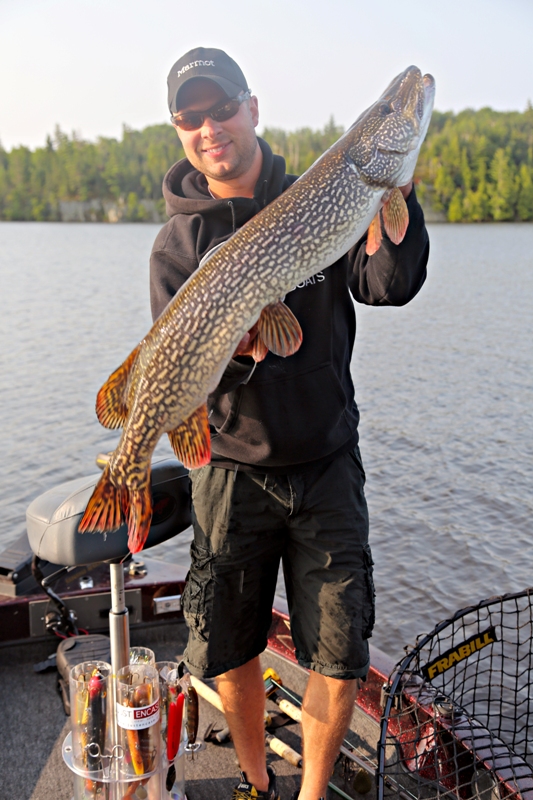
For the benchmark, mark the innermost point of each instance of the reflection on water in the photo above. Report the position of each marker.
(444, 386)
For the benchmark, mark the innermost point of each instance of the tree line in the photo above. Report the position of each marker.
(474, 166)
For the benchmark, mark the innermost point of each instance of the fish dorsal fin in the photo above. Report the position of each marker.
(374, 236)
(111, 400)
(191, 441)
(279, 329)
(395, 216)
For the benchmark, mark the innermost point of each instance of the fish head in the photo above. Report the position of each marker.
(384, 142)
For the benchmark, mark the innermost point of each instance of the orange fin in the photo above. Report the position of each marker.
(191, 441)
(374, 236)
(259, 349)
(105, 509)
(279, 329)
(111, 408)
(395, 216)
(139, 517)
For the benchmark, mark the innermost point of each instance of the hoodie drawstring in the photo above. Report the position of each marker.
(265, 189)
(233, 222)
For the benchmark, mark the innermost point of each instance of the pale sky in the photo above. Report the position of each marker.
(92, 65)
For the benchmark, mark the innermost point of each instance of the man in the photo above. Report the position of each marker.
(286, 477)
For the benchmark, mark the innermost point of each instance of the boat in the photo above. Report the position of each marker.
(48, 609)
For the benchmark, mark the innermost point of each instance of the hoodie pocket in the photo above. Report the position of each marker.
(289, 419)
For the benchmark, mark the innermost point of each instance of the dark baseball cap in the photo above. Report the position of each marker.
(205, 62)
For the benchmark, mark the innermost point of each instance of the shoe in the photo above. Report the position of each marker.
(247, 791)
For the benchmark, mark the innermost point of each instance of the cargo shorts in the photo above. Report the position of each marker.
(314, 522)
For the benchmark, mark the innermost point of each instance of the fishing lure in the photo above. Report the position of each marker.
(93, 721)
(191, 719)
(175, 719)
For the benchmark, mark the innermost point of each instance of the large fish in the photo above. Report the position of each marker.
(164, 383)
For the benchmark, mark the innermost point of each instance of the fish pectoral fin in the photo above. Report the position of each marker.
(111, 408)
(395, 216)
(259, 349)
(279, 329)
(374, 236)
(106, 508)
(191, 441)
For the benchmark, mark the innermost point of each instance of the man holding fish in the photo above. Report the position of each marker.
(285, 478)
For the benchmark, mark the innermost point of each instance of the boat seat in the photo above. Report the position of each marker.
(52, 519)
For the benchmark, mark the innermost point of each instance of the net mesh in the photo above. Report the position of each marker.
(457, 718)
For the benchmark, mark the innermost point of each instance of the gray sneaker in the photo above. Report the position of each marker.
(247, 791)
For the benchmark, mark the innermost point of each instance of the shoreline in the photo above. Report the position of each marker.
(108, 213)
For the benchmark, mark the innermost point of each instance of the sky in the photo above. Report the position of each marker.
(92, 66)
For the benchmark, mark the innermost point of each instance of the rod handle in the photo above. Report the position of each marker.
(284, 751)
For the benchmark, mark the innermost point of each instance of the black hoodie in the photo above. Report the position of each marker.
(287, 412)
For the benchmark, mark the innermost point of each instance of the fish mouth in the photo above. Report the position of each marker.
(410, 94)
(429, 97)
(410, 98)
(387, 151)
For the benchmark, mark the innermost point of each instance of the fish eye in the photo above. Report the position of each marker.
(385, 108)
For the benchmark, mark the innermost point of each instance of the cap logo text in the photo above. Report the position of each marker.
(195, 64)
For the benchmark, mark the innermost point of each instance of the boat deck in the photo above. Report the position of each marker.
(34, 727)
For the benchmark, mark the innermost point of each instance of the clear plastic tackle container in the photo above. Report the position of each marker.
(91, 714)
(138, 719)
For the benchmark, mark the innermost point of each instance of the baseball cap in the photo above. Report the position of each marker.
(205, 62)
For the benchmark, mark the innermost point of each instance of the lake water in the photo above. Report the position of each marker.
(445, 388)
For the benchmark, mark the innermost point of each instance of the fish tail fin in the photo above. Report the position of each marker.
(104, 511)
(109, 507)
(139, 516)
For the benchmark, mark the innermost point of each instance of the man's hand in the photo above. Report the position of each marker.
(406, 190)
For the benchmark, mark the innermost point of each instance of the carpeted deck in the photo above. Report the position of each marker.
(34, 726)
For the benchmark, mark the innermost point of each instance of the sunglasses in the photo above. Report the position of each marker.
(192, 120)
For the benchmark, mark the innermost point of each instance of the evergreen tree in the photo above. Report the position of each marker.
(444, 188)
(524, 204)
(455, 210)
(503, 190)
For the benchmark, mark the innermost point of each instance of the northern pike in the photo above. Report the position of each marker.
(164, 383)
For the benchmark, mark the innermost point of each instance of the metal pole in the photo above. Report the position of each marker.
(119, 629)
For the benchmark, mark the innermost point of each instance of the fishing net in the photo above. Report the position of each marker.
(457, 718)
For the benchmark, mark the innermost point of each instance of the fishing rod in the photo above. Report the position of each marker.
(295, 712)
(347, 749)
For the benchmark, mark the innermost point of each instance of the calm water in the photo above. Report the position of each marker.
(444, 386)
